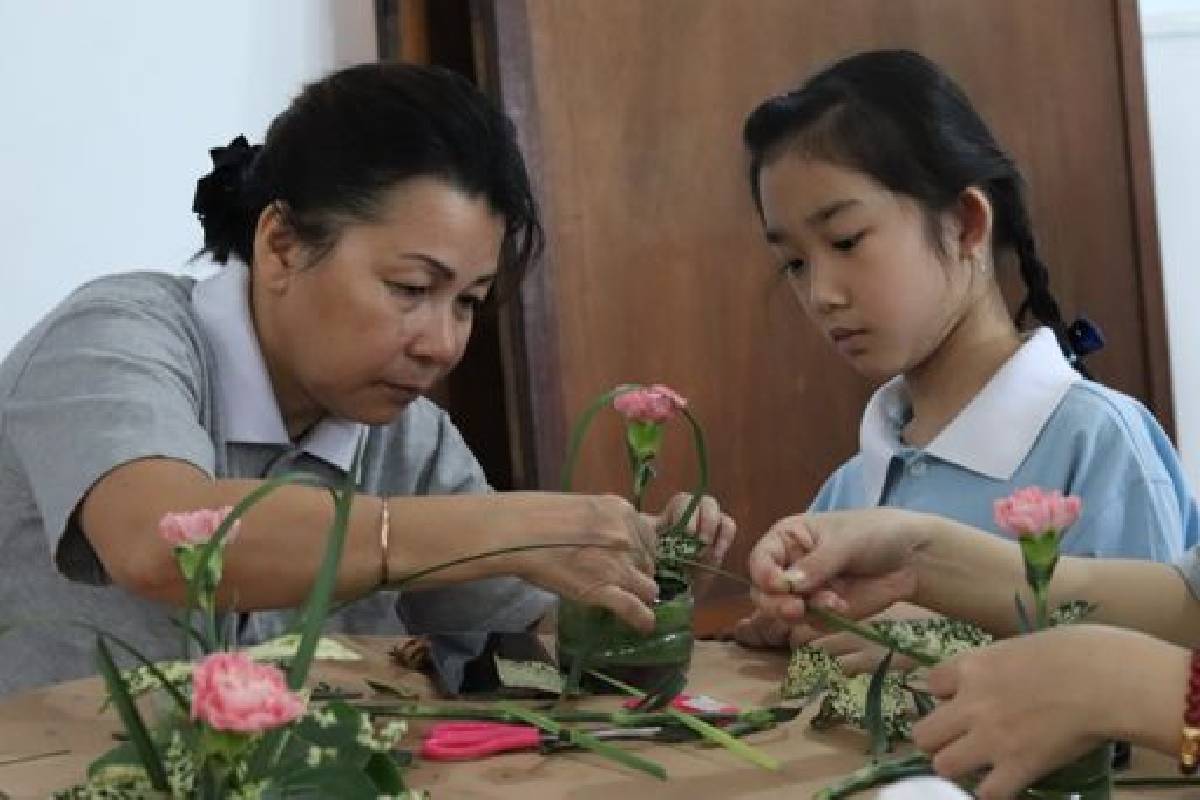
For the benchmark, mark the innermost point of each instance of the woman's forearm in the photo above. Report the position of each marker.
(282, 539)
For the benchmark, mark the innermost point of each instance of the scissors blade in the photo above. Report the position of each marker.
(627, 733)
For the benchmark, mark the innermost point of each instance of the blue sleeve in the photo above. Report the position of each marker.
(1136, 503)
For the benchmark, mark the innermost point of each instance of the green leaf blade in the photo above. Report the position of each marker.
(131, 717)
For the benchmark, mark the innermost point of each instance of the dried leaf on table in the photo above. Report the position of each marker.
(411, 653)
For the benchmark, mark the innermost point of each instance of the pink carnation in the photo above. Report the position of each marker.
(657, 403)
(231, 692)
(186, 528)
(1032, 511)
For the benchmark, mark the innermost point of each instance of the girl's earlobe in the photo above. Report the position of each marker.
(975, 221)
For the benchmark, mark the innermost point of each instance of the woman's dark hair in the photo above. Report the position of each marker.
(897, 117)
(347, 139)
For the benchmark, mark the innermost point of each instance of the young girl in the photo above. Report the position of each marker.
(890, 207)
(356, 244)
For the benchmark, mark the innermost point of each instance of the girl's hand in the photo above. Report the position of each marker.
(856, 655)
(761, 631)
(851, 562)
(1021, 708)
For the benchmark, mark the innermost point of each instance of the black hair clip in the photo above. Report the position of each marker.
(1084, 337)
(238, 153)
(219, 190)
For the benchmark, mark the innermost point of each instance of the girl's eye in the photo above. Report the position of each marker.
(794, 267)
(470, 303)
(847, 244)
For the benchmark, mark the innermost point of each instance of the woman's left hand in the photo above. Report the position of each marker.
(712, 525)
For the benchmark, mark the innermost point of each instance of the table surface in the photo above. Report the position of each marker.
(65, 717)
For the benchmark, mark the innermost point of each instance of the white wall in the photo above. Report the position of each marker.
(107, 111)
(1171, 30)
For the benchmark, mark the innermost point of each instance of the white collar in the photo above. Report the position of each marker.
(992, 434)
(245, 397)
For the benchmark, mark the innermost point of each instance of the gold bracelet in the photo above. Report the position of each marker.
(385, 530)
(1189, 750)
(1189, 741)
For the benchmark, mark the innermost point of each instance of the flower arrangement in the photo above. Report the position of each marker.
(599, 652)
(646, 410)
(592, 638)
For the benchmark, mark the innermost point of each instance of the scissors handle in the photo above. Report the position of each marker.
(458, 741)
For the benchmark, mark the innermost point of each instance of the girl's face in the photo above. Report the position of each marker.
(861, 263)
(387, 312)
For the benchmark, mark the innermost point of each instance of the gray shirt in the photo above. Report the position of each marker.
(132, 366)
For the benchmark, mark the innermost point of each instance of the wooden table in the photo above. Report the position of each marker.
(64, 717)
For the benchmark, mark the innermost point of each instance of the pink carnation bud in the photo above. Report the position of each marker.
(656, 403)
(231, 692)
(1032, 511)
(185, 528)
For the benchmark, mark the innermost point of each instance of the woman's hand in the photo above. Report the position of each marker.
(709, 523)
(1023, 707)
(611, 567)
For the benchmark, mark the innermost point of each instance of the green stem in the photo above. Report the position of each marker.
(830, 618)
(876, 774)
(702, 484)
(1041, 596)
(520, 548)
(623, 718)
(581, 429)
(585, 740)
(639, 486)
(872, 635)
(709, 732)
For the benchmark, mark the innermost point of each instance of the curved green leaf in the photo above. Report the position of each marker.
(135, 726)
(873, 712)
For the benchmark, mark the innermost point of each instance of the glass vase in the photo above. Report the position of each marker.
(1088, 777)
(615, 649)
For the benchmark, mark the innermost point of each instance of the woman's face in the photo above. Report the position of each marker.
(861, 263)
(375, 322)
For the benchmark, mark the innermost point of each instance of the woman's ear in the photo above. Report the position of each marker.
(277, 251)
(973, 213)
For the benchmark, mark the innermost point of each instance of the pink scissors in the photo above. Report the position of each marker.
(460, 741)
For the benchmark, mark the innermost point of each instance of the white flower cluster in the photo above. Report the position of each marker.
(811, 671)
(383, 740)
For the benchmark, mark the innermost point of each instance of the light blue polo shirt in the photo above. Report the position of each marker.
(1035, 423)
